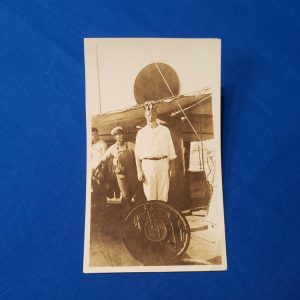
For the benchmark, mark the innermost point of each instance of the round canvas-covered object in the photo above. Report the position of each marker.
(155, 233)
(154, 82)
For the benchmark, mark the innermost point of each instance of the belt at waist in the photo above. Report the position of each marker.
(156, 158)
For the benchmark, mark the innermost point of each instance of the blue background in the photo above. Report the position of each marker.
(42, 153)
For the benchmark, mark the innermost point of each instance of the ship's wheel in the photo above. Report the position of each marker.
(155, 233)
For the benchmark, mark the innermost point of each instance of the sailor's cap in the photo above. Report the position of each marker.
(116, 130)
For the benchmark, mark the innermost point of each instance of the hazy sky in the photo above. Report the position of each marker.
(113, 64)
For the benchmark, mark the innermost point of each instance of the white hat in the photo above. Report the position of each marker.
(116, 130)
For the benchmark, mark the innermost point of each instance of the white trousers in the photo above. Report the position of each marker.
(156, 184)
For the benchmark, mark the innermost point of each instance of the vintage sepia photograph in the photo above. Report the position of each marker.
(154, 199)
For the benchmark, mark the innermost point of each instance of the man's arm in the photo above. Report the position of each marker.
(103, 146)
(102, 158)
(172, 170)
(138, 161)
(171, 155)
(139, 169)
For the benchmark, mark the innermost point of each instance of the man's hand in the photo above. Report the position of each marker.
(141, 176)
(171, 173)
(172, 169)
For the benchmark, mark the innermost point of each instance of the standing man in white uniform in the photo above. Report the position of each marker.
(155, 154)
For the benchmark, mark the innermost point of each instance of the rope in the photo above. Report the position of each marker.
(164, 79)
(178, 103)
(193, 128)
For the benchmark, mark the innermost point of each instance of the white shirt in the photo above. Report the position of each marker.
(154, 142)
(98, 149)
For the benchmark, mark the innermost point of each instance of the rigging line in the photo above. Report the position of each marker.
(164, 79)
(191, 106)
(193, 128)
(98, 72)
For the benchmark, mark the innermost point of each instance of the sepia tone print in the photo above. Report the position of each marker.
(154, 190)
